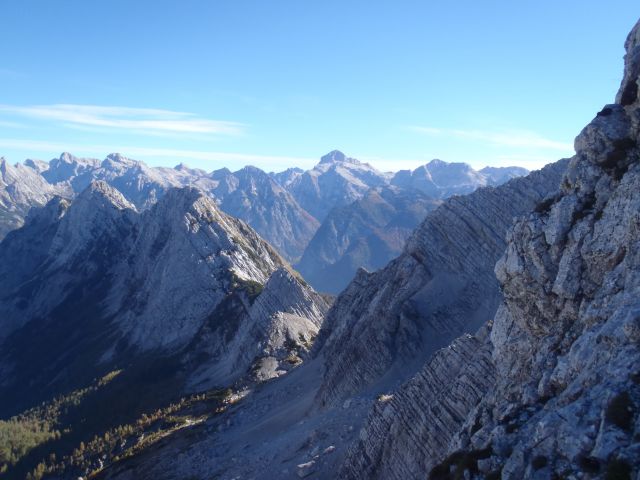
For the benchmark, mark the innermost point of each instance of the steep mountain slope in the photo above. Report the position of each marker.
(273, 334)
(386, 324)
(336, 181)
(100, 280)
(252, 195)
(21, 187)
(134, 311)
(367, 233)
(553, 391)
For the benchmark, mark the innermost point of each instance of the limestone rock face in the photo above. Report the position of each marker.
(563, 353)
(386, 324)
(59, 245)
(273, 334)
(181, 264)
(409, 432)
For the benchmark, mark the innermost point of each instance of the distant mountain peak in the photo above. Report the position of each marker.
(119, 158)
(336, 156)
(436, 162)
(66, 157)
(250, 169)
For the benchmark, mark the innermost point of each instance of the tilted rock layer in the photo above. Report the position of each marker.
(554, 390)
(386, 324)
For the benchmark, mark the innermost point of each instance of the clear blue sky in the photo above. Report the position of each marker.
(278, 83)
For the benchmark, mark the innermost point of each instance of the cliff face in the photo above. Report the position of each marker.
(385, 325)
(563, 354)
(407, 432)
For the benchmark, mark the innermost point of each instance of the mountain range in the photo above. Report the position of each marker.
(288, 208)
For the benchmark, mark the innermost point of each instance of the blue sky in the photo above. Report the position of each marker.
(280, 83)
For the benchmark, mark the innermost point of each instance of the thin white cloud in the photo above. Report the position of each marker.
(227, 159)
(515, 138)
(143, 120)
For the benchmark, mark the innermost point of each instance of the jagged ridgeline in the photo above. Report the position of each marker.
(118, 320)
(340, 215)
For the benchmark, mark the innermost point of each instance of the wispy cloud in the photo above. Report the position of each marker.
(267, 162)
(513, 138)
(143, 120)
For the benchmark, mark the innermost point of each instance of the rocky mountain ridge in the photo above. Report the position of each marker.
(114, 285)
(285, 208)
(22, 187)
(441, 286)
(561, 355)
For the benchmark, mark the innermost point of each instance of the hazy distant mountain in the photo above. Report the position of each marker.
(22, 187)
(286, 208)
(367, 233)
(336, 181)
(249, 194)
(371, 231)
(255, 197)
(441, 179)
(499, 175)
(287, 177)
